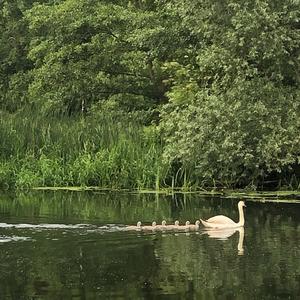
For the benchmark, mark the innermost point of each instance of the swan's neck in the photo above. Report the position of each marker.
(241, 216)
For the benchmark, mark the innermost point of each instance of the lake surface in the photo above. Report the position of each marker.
(68, 245)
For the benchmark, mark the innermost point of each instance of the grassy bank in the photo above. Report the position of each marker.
(108, 151)
(104, 150)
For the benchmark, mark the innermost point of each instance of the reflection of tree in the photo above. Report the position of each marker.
(72, 206)
(107, 207)
(68, 269)
(225, 233)
(193, 259)
(270, 265)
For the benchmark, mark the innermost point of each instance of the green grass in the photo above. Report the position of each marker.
(107, 151)
(104, 150)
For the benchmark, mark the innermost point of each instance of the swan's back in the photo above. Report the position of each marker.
(220, 220)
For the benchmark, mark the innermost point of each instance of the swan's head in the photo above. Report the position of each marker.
(139, 224)
(163, 223)
(241, 204)
(187, 223)
(153, 224)
(197, 223)
(176, 223)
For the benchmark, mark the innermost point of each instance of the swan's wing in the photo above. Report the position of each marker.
(220, 220)
(207, 224)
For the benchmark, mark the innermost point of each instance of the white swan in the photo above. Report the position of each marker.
(163, 225)
(182, 227)
(195, 226)
(150, 227)
(137, 227)
(225, 222)
(171, 227)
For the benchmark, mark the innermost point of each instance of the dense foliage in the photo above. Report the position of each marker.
(185, 93)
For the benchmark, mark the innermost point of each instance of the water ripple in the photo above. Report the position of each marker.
(5, 239)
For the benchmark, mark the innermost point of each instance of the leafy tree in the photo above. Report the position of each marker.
(233, 116)
(223, 75)
(85, 52)
(14, 64)
(13, 40)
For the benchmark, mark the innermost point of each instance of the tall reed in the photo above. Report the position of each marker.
(100, 150)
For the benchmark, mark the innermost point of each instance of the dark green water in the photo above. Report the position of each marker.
(64, 260)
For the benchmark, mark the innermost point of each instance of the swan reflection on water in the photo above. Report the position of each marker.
(224, 234)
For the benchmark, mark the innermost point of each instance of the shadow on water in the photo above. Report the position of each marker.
(58, 245)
